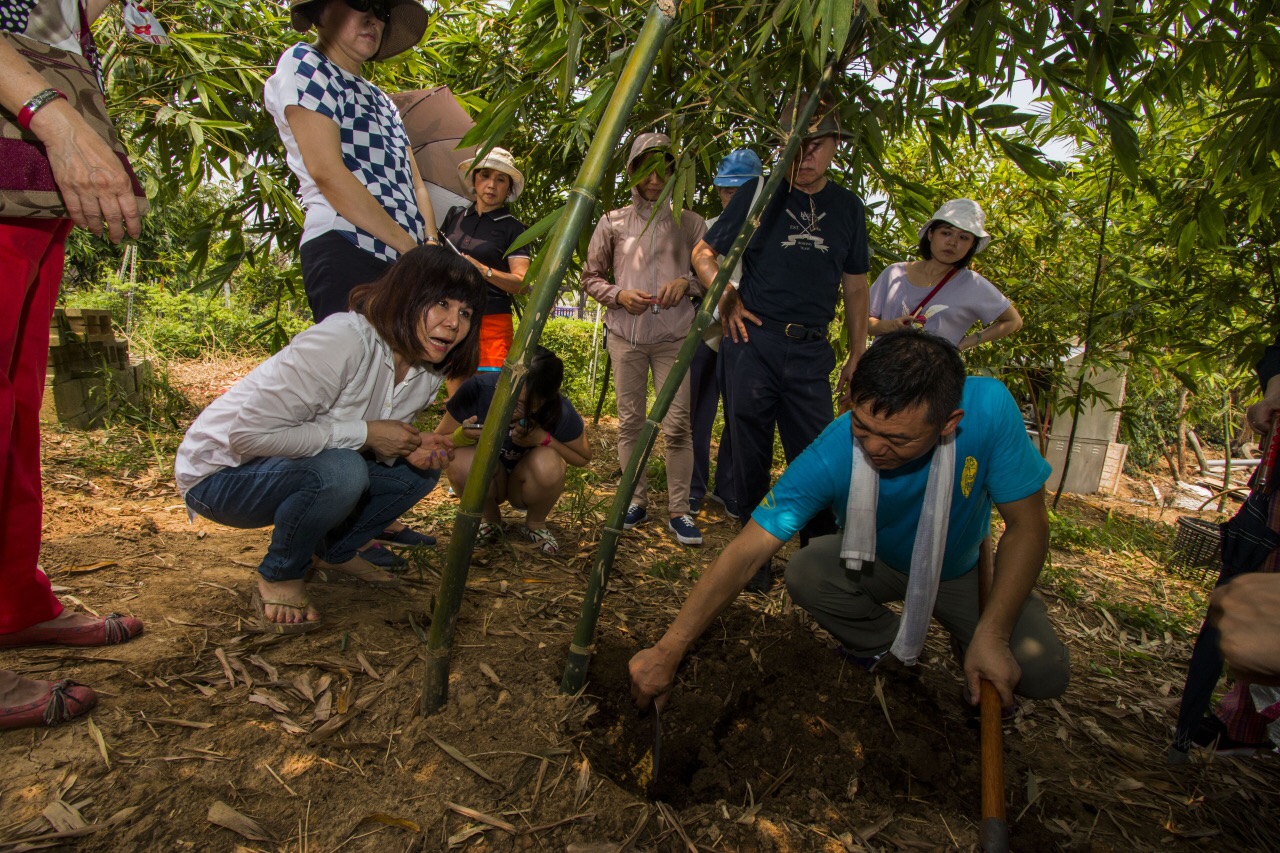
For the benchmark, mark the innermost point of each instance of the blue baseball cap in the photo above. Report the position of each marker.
(740, 166)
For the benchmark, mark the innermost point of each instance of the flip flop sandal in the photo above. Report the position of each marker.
(260, 604)
(337, 574)
(384, 558)
(546, 543)
(406, 538)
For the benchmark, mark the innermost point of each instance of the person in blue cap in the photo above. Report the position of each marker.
(737, 168)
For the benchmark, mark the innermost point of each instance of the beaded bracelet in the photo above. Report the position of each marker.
(38, 101)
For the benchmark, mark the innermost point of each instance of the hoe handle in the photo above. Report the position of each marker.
(995, 826)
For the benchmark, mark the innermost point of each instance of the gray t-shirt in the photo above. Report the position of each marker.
(966, 299)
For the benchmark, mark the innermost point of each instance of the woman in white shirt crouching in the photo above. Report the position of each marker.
(319, 439)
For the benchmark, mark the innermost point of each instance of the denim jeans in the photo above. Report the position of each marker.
(326, 505)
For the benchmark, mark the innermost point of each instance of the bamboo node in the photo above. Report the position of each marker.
(441, 653)
(586, 651)
(591, 197)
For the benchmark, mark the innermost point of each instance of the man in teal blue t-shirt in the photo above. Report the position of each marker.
(909, 393)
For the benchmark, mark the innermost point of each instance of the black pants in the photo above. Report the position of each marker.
(704, 401)
(332, 266)
(774, 381)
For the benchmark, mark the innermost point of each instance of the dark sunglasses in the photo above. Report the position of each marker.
(381, 8)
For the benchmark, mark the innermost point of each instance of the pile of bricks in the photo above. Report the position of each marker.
(89, 371)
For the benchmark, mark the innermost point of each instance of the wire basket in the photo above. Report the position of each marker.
(1197, 549)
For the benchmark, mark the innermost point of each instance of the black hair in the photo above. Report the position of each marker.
(927, 253)
(397, 303)
(907, 368)
(543, 381)
(313, 11)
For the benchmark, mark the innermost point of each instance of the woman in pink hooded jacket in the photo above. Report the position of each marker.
(638, 268)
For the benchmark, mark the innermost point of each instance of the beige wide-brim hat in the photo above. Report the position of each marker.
(962, 213)
(499, 159)
(403, 32)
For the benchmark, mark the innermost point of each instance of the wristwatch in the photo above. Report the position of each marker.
(488, 272)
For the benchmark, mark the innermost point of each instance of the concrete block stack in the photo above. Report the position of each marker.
(89, 372)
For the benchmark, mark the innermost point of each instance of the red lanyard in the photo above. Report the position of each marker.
(932, 293)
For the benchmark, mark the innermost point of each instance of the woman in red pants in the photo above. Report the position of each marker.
(96, 193)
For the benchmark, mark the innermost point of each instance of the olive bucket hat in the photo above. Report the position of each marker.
(498, 159)
(406, 21)
(964, 213)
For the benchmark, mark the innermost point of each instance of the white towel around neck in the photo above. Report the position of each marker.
(859, 542)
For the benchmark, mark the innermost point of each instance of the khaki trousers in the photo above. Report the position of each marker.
(632, 364)
(850, 605)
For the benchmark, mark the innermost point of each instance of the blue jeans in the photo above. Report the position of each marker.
(326, 505)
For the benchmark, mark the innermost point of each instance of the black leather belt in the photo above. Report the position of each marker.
(795, 331)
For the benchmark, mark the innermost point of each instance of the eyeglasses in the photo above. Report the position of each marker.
(381, 8)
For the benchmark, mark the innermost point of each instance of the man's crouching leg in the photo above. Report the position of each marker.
(1045, 662)
(847, 604)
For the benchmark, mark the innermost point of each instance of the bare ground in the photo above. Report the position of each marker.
(770, 743)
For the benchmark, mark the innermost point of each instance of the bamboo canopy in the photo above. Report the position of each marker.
(580, 650)
(550, 268)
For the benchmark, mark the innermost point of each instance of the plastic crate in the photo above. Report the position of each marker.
(1197, 549)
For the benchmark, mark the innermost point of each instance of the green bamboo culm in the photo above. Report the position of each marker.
(550, 267)
(575, 673)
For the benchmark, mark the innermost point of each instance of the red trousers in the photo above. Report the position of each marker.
(31, 254)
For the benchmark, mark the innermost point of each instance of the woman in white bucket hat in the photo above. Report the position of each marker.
(482, 232)
(939, 292)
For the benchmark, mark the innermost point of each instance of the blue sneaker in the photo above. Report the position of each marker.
(384, 558)
(730, 506)
(406, 537)
(636, 514)
(685, 531)
(695, 505)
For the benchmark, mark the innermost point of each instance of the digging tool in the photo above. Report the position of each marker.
(995, 825)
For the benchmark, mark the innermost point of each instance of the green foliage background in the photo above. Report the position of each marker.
(1170, 105)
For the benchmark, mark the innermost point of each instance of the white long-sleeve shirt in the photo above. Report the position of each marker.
(317, 393)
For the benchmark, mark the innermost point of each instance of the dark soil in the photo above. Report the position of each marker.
(770, 742)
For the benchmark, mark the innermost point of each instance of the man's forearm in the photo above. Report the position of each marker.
(1019, 558)
(706, 264)
(857, 310)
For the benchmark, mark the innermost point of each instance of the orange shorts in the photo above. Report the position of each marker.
(496, 333)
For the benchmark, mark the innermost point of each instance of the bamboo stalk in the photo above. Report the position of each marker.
(575, 673)
(551, 266)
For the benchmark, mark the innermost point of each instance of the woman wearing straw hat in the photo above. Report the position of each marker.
(365, 201)
(483, 233)
(939, 292)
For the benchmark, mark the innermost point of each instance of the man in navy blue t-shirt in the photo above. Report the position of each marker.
(935, 452)
(775, 362)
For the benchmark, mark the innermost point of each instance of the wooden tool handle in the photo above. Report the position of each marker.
(995, 826)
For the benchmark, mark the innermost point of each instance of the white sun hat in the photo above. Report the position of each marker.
(498, 159)
(962, 213)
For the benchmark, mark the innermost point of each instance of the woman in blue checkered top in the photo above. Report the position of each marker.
(365, 201)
